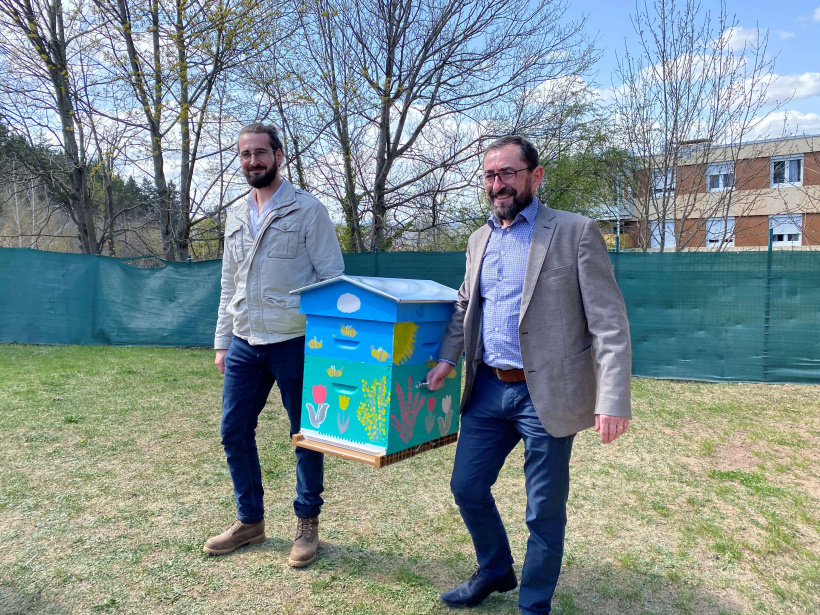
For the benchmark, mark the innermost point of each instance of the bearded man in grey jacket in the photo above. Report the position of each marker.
(546, 338)
(278, 239)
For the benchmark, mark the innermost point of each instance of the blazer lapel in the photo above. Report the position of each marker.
(472, 319)
(475, 273)
(542, 234)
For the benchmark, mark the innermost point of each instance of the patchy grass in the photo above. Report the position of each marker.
(112, 476)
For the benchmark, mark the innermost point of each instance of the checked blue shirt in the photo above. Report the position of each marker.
(502, 282)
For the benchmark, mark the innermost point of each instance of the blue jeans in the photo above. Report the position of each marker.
(498, 415)
(250, 372)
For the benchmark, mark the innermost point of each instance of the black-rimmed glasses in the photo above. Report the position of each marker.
(505, 175)
(260, 154)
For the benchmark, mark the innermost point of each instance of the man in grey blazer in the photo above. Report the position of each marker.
(543, 326)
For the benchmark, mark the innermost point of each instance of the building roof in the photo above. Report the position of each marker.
(764, 148)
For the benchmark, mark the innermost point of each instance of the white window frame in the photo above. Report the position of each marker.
(661, 177)
(787, 168)
(668, 236)
(715, 230)
(785, 231)
(724, 174)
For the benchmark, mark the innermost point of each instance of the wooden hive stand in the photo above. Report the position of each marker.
(377, 461)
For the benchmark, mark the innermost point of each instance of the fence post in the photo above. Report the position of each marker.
(767, 308)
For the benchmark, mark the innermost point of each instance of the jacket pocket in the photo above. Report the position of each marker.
(283, 301)
(554, 273)
(235, 242)
(280, 314)
(282, 239)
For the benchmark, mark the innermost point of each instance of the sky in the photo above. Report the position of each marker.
(794, 36)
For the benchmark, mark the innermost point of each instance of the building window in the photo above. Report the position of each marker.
(668, 234)
(720, 176)
(786, 230)
(720, 232)
(787, 171)
(663, 182)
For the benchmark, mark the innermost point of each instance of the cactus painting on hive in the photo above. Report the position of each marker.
(372, 413)
(409, 407)
(404, 341)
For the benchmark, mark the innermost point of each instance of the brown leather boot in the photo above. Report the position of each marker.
(306, 543)
(237, 535)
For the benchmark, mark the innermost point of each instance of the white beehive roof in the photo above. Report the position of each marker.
(396, 289)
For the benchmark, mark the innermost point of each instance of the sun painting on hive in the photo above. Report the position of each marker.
(404, 341)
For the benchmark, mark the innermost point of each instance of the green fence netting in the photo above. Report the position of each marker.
(53, 298)
(734, 316)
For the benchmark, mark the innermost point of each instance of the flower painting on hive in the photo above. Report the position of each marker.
(317, 415)
(372, 412)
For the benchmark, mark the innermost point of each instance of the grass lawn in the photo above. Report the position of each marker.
(112, 476)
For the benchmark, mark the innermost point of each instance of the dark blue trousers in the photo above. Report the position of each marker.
(497, 417)
(250, 372)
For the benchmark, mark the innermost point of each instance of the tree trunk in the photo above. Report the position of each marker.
(182, 231)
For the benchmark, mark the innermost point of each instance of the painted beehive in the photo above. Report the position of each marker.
(369, 343)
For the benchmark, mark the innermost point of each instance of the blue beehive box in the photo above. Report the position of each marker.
(369, 343)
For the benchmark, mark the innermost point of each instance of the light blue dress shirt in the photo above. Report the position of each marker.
(502, 283)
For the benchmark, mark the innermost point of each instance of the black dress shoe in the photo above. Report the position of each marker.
(476, 589)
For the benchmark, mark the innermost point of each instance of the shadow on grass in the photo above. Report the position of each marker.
(17, 598)
(582, 590)
(605, 590)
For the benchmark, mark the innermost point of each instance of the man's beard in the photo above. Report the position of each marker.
(264, 180)
(519, 202)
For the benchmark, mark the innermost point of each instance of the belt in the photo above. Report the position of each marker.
(508, 375)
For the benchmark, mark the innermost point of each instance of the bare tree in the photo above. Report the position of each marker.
(342, 114)
(687, 101)
(410, 88)
(174, 56)
(44, 43)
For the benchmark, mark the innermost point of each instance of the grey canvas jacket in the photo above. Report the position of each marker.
(296, 246)
(572, 325)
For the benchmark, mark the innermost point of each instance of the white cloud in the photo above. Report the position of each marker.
(606, 96)
(775, 125)
(561, 87)
(738, 37)
(816, 15)
(804, 123)
(783, 34)
(796, 87)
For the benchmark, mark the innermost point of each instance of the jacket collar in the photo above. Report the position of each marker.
(287, 204)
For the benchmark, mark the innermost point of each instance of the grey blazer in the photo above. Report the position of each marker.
(572, 326)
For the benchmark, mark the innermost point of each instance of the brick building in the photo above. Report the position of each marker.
(725, 197)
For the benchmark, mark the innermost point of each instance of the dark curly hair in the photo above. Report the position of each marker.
(264, 129)
(528, 152)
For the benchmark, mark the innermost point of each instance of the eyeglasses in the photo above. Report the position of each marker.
(506, 175)
(260, 154)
